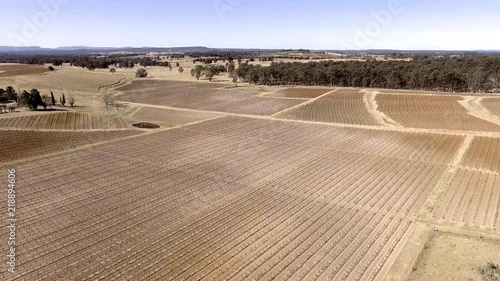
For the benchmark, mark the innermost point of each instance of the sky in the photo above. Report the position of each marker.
(277, 24)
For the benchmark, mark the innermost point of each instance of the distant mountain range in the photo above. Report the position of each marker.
(201, 49)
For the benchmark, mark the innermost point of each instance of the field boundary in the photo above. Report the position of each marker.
(407, 254)
(304, 103)
(339, 125)
(67, 130)
(369, 98)
(444, 183)
(475, 108)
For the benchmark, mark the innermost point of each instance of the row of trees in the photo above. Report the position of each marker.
(210, 70)
(33, 99)
(91, 62)
(464, 74)
(9, 94)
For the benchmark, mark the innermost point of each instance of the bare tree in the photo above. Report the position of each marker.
(71, 101)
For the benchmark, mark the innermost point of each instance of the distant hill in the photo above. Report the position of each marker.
(86, 49)
(32, 50)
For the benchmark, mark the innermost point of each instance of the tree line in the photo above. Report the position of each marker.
(32, 99)
(449, 74)
(91, 62)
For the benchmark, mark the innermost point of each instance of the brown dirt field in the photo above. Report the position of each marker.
(246, 198)
(307, 93)
(492, 105)
(21, 144)
(21, 69)
(473, 200)
(483, 154)
(435, 93)
(242, 199)
(455, 257)
(344, 106)
(431, 112)
(171, 117)
(204, 96)
(63, 121)
(151, 83)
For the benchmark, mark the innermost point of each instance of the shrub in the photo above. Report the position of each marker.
(490, 272)
(71, 101)
(141, 73)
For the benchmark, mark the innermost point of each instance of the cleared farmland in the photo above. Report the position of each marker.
(493, 105)
(171, 117)
(21, 69)
(483, 154)
(227, 199)
(344, 106)
(307, 93)
(150, 83)
(431, 112)
(203, 96)
(63, 121)
(473, 199)
(20, 144)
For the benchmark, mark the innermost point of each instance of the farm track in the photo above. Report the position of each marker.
(492, 105)
(475, 108)
(345, 106)
(372, 106)
(472, 198)
(337, 125)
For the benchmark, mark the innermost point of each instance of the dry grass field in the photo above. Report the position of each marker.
(431, 112)
(243, 184)
(457, 256)
(344, 106)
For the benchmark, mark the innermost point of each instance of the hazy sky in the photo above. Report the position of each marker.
(319, 24)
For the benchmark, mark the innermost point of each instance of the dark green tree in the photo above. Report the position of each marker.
(62, 99)
(141, 73)
(11, 94)
(52, 99)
